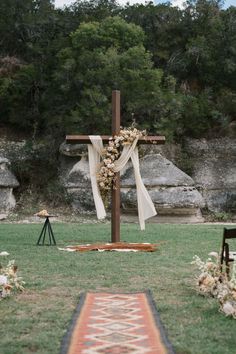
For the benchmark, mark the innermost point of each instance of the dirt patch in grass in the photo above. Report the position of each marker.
(28, 296)
(36, 302)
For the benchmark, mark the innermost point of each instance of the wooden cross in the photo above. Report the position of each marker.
(84, 139)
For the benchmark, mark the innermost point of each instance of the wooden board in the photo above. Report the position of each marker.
(84, 139)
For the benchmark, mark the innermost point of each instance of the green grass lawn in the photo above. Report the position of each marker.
(36, 320)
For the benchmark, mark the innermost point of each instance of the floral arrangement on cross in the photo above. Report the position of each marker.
(111, 153)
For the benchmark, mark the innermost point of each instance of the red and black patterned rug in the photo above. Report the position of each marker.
(107, 323)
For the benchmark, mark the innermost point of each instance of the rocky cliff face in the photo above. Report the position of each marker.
(214, 172)
(210, 182)
(7, 183)
(172, 191)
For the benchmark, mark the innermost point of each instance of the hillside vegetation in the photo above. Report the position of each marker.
(176, 68)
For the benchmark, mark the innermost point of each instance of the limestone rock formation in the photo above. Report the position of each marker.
(172, 191)
(214, 171)
(7, 183)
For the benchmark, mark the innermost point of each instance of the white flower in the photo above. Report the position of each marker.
(5, 292)
(213, 254)
(4, 253)
(110, 165)
(107, 161)
(3, 280)
(228, 309)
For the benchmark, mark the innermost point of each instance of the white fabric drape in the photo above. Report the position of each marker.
(94, 153)
(146, 208)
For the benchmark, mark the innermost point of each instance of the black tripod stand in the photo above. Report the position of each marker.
(46, 229)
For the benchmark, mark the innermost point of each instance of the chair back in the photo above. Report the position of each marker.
(225, 254)
(229, 233)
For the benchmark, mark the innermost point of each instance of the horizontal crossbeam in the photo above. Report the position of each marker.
(84, 139)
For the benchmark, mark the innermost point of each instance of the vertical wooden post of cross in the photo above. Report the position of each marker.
(115, 197)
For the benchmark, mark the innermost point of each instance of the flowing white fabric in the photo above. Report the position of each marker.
(125, 156)
(146, 207)
(94, 153)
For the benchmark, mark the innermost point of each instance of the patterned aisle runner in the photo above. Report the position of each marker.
(116, 324)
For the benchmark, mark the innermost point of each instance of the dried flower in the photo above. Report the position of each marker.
(106, 173)
(3, 280)
(212, 281)
(229, 309)
(9, 280)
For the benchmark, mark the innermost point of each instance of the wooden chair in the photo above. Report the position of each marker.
(227, 256)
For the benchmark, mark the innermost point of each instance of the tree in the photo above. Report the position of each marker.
(163, 28)
(106, 56)
(94, 10)
(179, 62)
(32, 32)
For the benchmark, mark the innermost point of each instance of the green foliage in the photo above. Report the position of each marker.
(95, 10)
(201, 116)
(176, 68)
(105, 56)
(24, 98)
(226, 102)
(31, 32)
(162, 25)
(112, 32)
(219, 216)
(37, 173)
(196, 46)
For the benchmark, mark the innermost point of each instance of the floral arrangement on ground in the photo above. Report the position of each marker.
(10, 282)
(213, 282)
(111, 153)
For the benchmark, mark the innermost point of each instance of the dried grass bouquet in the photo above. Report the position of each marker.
(9, 280)
(213, 282)
(106, 173)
